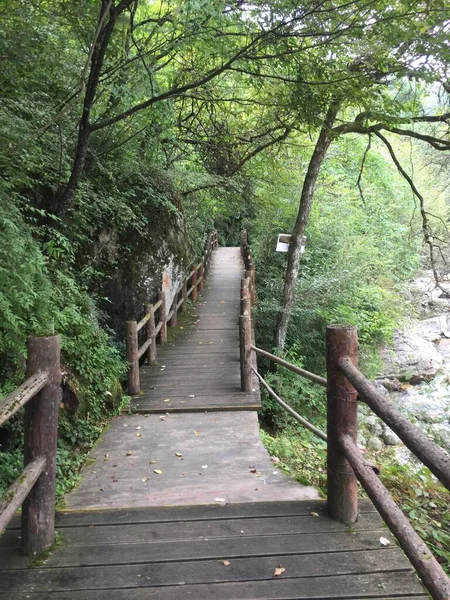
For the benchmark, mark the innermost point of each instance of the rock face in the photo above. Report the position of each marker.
(413, 358)
(416, 377)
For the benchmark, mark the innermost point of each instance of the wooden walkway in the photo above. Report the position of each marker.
(182, 501)
(199, 370)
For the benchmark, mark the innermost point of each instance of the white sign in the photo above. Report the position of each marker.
(284, 239)
(283, 242)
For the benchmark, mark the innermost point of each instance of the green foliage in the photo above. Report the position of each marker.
(301, 457)
(425, 502)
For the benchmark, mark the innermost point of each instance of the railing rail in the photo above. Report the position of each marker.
(34, 489)
(157, 317)
(345, 463)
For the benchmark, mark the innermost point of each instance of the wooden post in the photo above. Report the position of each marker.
(162, 317)
(201, 285)
(172, 322)
(132, 357)
(249, 276)
(194, 284)
(184, 305)
(245, 337)
(244, 241)
(40, 438)
(341, 419)
(151, 335)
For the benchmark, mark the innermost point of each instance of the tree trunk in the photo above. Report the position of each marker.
(292, 269)
(106, 23)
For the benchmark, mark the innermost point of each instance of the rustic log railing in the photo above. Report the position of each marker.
(157, 317)
(345, 463)
(34, 489)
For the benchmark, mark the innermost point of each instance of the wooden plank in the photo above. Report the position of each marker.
(361, 586)
(199, 529)
(172, 514)
(218, 529)
(160, 551)
(202, 572)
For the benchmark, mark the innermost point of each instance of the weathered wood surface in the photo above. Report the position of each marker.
(121, 469)
(14, 401)
(193, 363)
(213, 552)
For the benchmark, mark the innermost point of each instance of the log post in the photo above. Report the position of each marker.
(132, 357)
(248, 275)
(245, 337)
(151, 335)
(162, 318)
(172, 322)
(194, 284)
(341, 420)
(184, 305)
(201, 284)
(244, 242)
(40, 438)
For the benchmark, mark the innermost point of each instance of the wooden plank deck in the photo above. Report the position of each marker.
(199, 370)
(216, 552)
(217, 453)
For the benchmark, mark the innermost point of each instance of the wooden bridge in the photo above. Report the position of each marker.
(181, 500)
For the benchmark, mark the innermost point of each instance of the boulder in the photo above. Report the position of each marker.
(390, 438)
(412, 359)
(435, 328)
(375, 444)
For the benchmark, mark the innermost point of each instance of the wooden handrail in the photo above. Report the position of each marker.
(428, 568)
(25, 392)
(19, 490)
(34, 489)
(414, 438)
(157, 328)
(298, 370)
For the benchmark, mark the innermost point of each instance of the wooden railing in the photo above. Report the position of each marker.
(248, 296)
(345, 464)
(157, 317)
(34, 489)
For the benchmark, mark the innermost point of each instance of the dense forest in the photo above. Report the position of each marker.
(129, 129)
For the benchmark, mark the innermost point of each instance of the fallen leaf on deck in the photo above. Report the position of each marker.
(225, 562)
(384, 541)
(204, 466)
(167, 400)
(314, 514)
(178, 454)
(278, 571)
(144, 479)
(191, 395)
(129, 453)
(275, 460)
(138, 435)
(162, 418)
(157, 471)
(196, 433)
(221, 501)
(152, 462)
(252, 468)
(138, 427)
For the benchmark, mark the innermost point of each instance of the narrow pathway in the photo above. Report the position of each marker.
(198, 449)
(200, 370)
